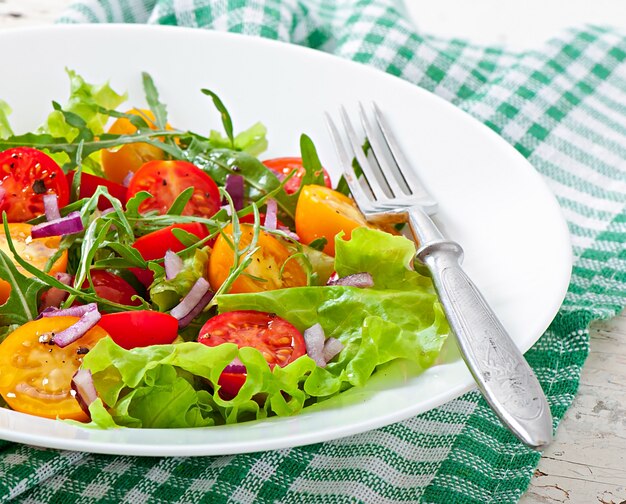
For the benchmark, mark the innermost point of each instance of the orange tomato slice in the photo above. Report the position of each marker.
(35, 376)
(323, 213)
(271, 267)
(35, 251)
(116, 163)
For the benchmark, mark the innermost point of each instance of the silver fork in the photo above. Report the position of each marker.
(394, 192)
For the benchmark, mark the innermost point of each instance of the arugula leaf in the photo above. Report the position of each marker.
(260, 181)
(253, 140)
(227, 122)
(181, 200)
(152, 97)
(5, 128)
(21, 306)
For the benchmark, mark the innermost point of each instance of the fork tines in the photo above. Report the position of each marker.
(389, 181)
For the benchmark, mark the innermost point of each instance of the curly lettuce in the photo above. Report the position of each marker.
(176, 385)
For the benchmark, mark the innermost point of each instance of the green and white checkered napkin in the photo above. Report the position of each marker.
(563, 107)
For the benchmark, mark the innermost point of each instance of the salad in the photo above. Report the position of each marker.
(156, 277)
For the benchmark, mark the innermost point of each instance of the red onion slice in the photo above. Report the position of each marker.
(70, 224)
(129, 176)
(3, 193)
(360, 280)
(191, 305)
(235, 366)
(271, 212)
(84, 388)
(332, 347)
(314, 340)
(235, 187)
(72, 311)
(53, 298)
(77, 330)
(173, 264)
(289, 233)
(51, 207)
(196, 310)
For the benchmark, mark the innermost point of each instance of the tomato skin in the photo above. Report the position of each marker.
(140, 328)
(283, 166)
(266, 264)
(26, 175)
(129, 158)
(165, 180)
(35, 376)
(278, 341)
(155, 244)
(249, 219)
(89, 183)
(35, 251)
(323, 213)
(113, 288)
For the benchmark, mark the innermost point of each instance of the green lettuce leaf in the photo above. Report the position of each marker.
(176, 385)
(251, 141)
(5, 127)
(85, 101)
(400, 317)
(167, 293)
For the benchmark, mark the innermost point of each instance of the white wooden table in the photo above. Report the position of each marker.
(587, 462)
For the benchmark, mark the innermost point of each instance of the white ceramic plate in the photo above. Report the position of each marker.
(491, 200)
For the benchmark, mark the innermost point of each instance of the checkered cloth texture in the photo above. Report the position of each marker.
(563, 107)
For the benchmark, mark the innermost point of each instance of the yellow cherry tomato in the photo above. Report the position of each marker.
(35, 376)
(323, 213)
(271, 267)
(116, 163)
(35, 251)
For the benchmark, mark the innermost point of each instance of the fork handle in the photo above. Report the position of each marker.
(502, 374)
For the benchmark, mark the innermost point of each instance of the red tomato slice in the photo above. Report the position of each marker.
(26, 175)
(89, 183)
(155, 244)
(140, 328)
(165, 180)
(113, 288)
(278, 340)
(285, 165)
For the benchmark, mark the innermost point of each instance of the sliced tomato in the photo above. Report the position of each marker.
(113, 288)
(165, 180)
(278, 340)
(271, 267)
(35, 376)
(285, 165)
(89, 183)
(140, 328)
(117, 163)
(155, 244)
(26, 175)
(323, 213)
(35, 251)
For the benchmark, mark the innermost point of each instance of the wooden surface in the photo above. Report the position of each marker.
(587, 462)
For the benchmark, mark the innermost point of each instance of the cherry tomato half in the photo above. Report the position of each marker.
(278, 340)
(140, 328)
(165, 180)
(25, 176)
(285, 165)
(271, 267)
(35, 376)
(155, 244)
(89, 183)
(35, 251)
(323, 213)
(116, 163)
(113, 288)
